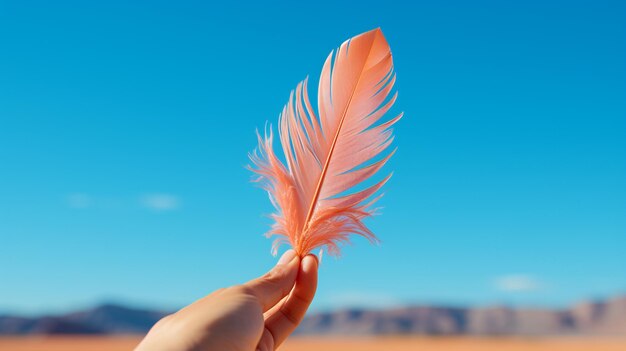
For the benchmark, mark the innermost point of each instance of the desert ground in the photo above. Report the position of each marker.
(69, 343)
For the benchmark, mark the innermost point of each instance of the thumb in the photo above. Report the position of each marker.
(270, 288)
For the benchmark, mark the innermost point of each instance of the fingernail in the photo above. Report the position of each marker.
(287, 257)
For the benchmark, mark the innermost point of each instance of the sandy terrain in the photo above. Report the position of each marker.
(343, 344)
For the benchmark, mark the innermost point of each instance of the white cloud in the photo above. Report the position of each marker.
(517, 283)
(79, 200)
(160, 202)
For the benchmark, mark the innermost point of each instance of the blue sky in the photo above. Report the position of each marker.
(125, 128)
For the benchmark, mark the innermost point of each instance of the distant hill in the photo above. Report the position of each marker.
(104, 319)
(585, 318)
(606, 317)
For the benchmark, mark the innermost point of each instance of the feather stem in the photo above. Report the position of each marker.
(330, 155)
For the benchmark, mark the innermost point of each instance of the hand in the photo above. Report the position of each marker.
(256, 316)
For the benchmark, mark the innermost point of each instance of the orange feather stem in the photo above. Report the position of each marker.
(326, 156)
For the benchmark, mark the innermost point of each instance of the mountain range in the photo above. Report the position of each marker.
(605, 317)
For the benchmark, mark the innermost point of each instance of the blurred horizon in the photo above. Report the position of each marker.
(125, 128)
(316, 310)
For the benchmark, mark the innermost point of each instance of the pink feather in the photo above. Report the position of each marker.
(326, 156)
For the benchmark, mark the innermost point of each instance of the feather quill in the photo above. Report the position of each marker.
(328, 154)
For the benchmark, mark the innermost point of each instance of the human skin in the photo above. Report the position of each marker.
(255, 316)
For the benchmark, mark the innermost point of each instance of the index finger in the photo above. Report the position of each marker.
(283, 320)
(277, 283)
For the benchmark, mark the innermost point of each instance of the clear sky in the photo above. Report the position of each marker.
(125, 128)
